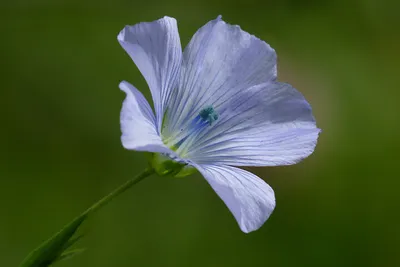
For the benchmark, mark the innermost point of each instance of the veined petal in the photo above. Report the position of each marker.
(266, 125)
(220, 61)
(138, 122)
(248, 197)
(156, 50)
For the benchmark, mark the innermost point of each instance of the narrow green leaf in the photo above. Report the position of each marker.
(69, 254)
(53, 248)
(72, 241)
(57, 247)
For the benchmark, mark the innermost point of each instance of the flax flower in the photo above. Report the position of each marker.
(217, 104)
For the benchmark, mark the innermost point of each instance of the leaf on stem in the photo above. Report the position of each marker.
(56, 248)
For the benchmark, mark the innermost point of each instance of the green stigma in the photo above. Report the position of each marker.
(208, 115)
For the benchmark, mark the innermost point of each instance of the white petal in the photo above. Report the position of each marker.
(266, 125)
(248, 197)
(156, 50)
(138, 122)
(220, 61)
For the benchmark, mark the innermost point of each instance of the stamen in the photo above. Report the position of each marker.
(206, 117)
(208, 114)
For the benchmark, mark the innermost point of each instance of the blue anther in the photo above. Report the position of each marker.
(205, 118)
(208, 115)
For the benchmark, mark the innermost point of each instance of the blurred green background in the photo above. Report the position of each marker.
(60, 140)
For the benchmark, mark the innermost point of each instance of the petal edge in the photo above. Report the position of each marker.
(138, 122)
(248, 197)
(156, 50)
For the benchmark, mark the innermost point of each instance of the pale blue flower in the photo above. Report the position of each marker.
(217, 105)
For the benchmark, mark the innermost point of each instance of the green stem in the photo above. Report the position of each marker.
(96, 206)
(56, 248)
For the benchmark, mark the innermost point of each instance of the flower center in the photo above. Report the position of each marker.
(206, 117)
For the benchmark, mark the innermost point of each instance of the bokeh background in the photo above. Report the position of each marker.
(60, 149)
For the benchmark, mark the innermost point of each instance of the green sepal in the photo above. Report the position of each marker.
(186, 171)
(56, 247)
(163, 166)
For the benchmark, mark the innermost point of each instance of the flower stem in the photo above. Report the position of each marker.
(96, 206)
(58, 246)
